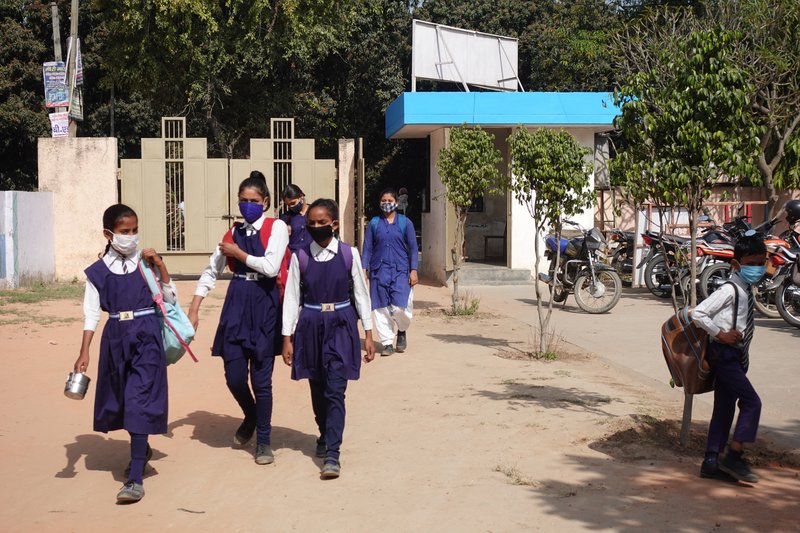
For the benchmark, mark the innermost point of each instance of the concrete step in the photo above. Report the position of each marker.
(479, 274)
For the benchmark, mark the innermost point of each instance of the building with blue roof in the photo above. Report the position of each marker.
(500, 232)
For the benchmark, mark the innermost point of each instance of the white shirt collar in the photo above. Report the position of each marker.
(113, 256)
(255, 225)
(332, 247)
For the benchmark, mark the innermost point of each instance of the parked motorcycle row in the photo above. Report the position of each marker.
(595, 271)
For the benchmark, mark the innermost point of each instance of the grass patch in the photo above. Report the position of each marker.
(467, 304)
(515, 477)
(41, 292)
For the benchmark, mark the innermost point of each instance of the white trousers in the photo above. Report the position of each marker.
(387, 317)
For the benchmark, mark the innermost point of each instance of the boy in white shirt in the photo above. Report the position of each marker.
(727, 315)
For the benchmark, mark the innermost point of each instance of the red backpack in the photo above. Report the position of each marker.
(264, 232)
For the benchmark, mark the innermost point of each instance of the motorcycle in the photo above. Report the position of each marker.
(596, 285)
(622, 245)
(786, 284)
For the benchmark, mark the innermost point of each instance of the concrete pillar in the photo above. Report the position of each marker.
(81, 172)
(26, 238)
(347, 190)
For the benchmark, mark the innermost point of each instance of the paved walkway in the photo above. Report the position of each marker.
(628, 336)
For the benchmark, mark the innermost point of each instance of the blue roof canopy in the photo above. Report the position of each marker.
(415, 115)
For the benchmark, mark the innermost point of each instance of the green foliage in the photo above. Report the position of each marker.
(22, 115)
(41, 292)
(686, 130)
(550, 174)
(469, 166)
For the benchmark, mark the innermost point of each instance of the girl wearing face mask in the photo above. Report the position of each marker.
(294, 199)
(131, 390)
(248, 334)
(325, 295)
(391, 257)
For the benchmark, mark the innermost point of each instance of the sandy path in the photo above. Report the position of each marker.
(447, 437)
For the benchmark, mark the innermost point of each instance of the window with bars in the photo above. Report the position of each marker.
(282, 135)
(173, 131)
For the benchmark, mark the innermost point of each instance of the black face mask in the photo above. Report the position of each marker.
(320, 234)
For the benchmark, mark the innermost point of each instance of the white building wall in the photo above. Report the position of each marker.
(523, 230)
(434, 224)
(27, 252)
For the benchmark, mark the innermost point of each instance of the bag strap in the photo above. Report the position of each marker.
(158, 299)
(347, 253)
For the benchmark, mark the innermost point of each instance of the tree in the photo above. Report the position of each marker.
(550, 176)
(23, 117)
(468, 166)
(687, 125)
(765, 47)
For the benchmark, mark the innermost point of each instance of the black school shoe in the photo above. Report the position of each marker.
(737, 468)
(321, 449)
(245, 432)
(402, 343)
(146, 460)
(711, 471)
(387, 350)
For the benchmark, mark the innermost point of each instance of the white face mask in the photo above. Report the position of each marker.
(125, 244)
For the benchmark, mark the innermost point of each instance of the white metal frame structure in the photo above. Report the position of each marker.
(445, 53)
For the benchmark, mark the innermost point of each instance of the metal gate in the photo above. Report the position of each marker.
(186, 201)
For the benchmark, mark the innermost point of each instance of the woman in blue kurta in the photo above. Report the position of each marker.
(294, 199)
(248, 334)
(131, 390)
(320, 326)
(391, 257)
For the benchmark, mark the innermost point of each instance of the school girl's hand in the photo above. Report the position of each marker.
(229, 249)
(152, 258)
(288, 351)
(369, 346)
(194, 319)
(412, 278)
(82, 363)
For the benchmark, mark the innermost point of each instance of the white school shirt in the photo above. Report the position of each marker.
(114, 262)
(291, 298)
(715, 313)
(269, 264)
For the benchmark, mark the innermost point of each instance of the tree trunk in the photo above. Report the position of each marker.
(458, 245)
(539, 310)
(693, 256)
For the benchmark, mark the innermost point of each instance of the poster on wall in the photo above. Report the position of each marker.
(76, 104)
(59, 124)
(79, 66)
(56, 92)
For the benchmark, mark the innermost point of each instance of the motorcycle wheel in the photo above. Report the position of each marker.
(713, 277)
(787, 300)
(655, 277)
(624, 266)
(601, 297)
(765, 303)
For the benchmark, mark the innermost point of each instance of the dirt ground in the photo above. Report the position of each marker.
(461, 433)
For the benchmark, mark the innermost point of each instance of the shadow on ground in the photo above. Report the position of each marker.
(522, 395)
(102, 454)
(642, 472)
(217, 431)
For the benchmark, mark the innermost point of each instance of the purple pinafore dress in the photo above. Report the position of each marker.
(298, 236)
(131, 388)
(249, 325)
(326, 343)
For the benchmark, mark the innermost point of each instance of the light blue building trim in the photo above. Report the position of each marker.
(409, 111)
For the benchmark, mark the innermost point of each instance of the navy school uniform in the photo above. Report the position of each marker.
(327, 347)
(131, 390)
(249, 332)
(298, 236)
(390, 255)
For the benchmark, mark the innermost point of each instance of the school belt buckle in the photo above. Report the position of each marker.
(125, 315)
(327, 308)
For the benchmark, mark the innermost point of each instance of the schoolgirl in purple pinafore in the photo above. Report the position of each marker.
(249, 328)
(326, 344)
(298, 237)
(131, 391)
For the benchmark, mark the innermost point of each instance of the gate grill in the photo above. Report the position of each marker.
(173, 132)
(282, 135)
